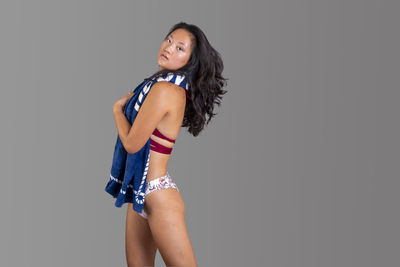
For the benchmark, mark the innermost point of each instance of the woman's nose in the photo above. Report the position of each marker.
(168, 48)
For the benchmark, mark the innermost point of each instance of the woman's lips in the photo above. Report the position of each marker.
(162, 55)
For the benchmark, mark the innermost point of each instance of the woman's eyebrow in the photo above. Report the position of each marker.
(178, 42)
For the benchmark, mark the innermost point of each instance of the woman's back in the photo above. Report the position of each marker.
(169, 126)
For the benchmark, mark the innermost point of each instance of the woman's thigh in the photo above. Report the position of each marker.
(166, 218)
(139, 244)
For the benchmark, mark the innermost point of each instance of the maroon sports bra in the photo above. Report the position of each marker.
(159, 147)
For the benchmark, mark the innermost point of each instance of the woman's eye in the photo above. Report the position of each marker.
(168, 41)
(180, 49)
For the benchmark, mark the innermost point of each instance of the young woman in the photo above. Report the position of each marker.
(186, 88)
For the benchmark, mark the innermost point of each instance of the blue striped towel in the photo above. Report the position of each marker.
(128, 174)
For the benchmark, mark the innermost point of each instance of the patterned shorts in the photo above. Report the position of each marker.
(162, 182)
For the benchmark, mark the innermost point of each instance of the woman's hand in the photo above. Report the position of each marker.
(120, 104)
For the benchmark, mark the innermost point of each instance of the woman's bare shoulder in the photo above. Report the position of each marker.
(173, 91)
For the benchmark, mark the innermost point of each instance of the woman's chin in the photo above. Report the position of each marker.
(161, 66)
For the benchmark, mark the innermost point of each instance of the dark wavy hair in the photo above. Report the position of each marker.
(203, 73)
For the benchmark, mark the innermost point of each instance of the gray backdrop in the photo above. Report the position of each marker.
(299, 168)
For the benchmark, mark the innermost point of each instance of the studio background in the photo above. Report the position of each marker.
(299, 168)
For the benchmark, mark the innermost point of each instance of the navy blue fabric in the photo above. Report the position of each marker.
(128, 176)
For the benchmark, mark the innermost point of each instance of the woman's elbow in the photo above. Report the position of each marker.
(131, 149)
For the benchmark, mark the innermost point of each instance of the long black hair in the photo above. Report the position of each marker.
(203, 73)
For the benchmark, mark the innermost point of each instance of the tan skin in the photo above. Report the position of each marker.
(164, 107)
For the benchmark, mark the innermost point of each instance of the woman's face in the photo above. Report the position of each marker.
(175, 50)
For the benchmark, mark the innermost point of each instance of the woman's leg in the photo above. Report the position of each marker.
(166, 218)
(139, 244)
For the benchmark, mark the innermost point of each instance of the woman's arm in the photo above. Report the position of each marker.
(123, 125)
(155, 106)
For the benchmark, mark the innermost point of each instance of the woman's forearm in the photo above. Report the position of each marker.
(123, 126)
